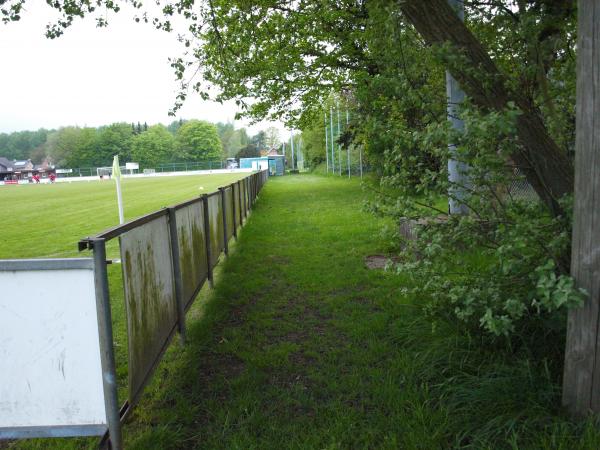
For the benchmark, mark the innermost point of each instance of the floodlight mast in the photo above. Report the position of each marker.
(457, 170)
(292, 143)
(337, 107)
(326, 144)
(348, 150)
(332, 139)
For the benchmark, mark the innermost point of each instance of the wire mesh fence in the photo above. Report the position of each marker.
(170, 167)
(347, 163)
(518, 188)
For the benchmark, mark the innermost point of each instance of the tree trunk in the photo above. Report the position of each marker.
(546, 167)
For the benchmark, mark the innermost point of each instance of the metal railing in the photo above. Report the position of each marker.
(167, 256)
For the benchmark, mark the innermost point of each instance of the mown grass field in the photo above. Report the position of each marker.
(48, 220)
(300, 346)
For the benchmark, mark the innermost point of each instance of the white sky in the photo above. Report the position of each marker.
(93, 76)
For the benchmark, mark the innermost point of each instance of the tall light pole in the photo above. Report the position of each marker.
(326, 144)
(457, 170)
(348, 149)
(360, 161)
(337, 107)
(292, 145)
(300, 154)
(332, 139)
(283, 150)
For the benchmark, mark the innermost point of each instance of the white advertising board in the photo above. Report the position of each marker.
(132, 166)
(50, 367)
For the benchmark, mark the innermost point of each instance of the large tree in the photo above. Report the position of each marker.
(72, 147)
(153, 147)
(547, 167)
(198, 140)
(23, 144)
(113, 139)
(288, 57)
(272, 138)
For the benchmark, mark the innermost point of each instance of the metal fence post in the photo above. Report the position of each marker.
(177, 273)
(234, 210)
(109, 377)
(246, 195)
(224, 208)
(239, 198)
(207, 240)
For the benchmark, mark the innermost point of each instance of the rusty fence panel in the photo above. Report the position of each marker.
(192, 249)
(240, 199)
(235, 211)
(247, 192)
(229, 211)
(215, 221)
(150, 301)
(167, 256)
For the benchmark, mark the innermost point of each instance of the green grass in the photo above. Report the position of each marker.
(300, 346)
(48, 220)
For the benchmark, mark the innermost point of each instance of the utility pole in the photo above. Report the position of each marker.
(326, 144)
(457, 170)
(581, 380)
(332, 139)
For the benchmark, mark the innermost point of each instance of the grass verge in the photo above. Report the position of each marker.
(300, 346)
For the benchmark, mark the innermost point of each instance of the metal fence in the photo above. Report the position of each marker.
(171, 167)
(518, 187)
(347, 162)
(166, 258)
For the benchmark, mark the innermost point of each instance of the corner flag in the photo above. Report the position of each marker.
(116, 172)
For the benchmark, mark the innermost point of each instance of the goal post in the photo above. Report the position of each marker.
(107, 171)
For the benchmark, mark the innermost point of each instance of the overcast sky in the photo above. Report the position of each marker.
(92, 76)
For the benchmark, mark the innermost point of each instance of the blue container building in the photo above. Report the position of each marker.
(275, 164)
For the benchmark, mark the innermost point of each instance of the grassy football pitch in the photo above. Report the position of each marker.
(48, 220)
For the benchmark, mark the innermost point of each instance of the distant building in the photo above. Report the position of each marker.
(23, 170)
(275, 164)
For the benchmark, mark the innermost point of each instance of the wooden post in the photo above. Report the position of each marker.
(581, 385)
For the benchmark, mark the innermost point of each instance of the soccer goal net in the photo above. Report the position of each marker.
(106, 172)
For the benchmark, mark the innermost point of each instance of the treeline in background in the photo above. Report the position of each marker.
(150, 146)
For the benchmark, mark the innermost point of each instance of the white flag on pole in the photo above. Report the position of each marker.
(116, 172)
